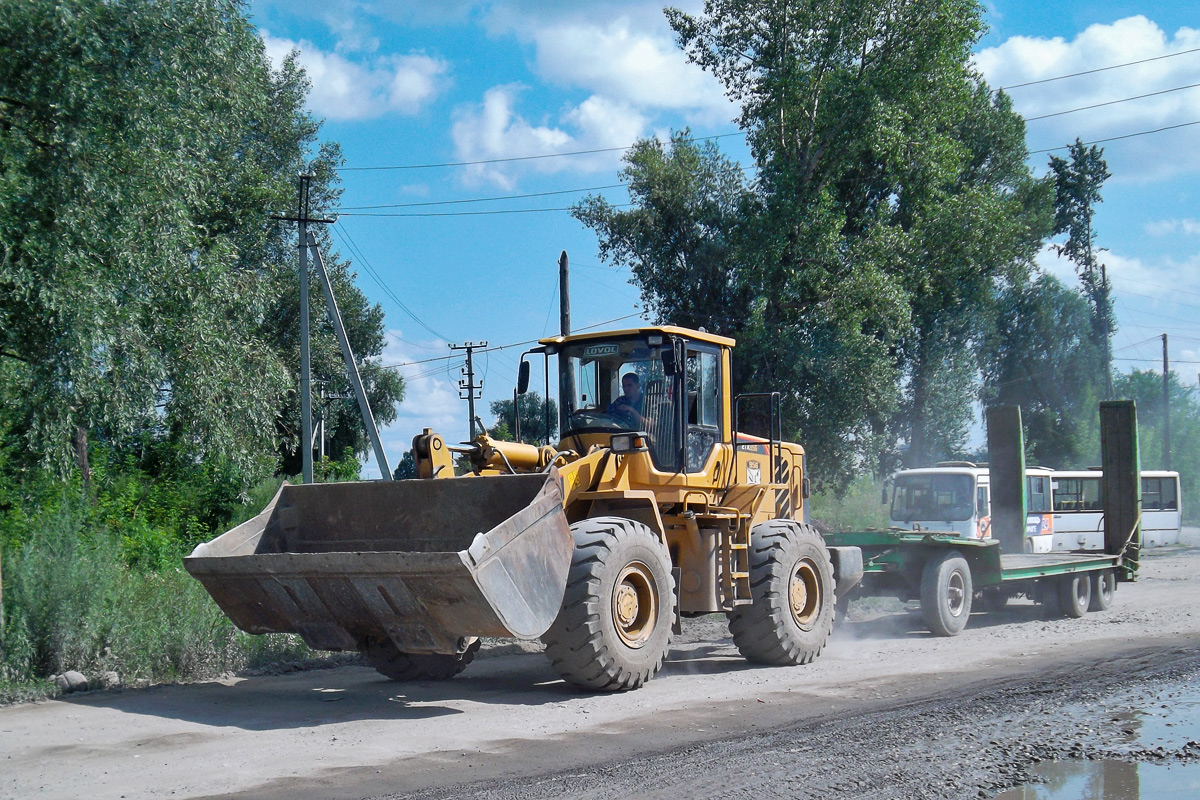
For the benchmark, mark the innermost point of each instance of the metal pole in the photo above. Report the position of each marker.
(335, 319)
(1166, 446)
(470, 394)
(516, 431)
(469, 386)
(566, 377)
(306, 427)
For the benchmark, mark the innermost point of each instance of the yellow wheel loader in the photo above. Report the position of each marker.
(651, 506)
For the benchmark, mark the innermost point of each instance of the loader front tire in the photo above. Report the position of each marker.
(614, 628)
(387, 660)
(791, 583)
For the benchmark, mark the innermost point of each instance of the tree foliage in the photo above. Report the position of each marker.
(890, 196)
(143, 286)
(1037, 354)
(1077, 183)
(533, 418)
(1145, 388)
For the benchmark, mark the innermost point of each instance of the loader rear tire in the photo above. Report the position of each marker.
(387, 660)
(791, 583)
(614, 628)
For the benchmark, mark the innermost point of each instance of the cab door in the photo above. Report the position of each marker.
(703, 428)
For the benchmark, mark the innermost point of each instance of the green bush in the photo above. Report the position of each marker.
(71, 601)
(857, 508)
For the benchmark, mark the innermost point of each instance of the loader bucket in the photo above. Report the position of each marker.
(421, 562)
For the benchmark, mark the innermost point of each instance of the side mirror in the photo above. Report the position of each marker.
(523, 378)
(670, 362)
(883, 496)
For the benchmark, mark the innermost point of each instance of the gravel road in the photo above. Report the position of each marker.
(886, 711)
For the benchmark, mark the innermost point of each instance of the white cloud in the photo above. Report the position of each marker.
(1162, 280)
(430, 397)
(1166, 227)
(643, 69)
(494, 130)
(1021, 59)
(343, 89)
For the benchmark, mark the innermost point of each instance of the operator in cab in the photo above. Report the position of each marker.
(627, 409)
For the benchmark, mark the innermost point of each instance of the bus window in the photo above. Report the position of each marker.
(1077, 494)
(1158, 494)
(1037, 491)
(933, 497)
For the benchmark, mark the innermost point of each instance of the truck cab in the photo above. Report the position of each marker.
(955, 497)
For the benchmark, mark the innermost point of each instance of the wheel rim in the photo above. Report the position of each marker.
(1082, 592)
(804, 593)
(1108, 582)
(635, 604)
(956, 594)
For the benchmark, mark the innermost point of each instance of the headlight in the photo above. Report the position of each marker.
(634, 442)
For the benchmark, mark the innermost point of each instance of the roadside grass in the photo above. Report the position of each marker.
(858, 508)
(73, 601)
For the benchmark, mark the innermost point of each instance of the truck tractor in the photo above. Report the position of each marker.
(651, 506)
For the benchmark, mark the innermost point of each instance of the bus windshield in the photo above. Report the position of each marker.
(935, 497)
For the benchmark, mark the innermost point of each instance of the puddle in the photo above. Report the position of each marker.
(1170, 718)
(1162, 722)
(1109, 780)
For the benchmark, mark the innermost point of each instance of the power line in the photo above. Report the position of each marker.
(1115, 138)
(504, 346)
(345, 237)
(1112, 102)
(481, 199)
(1157, 360)
(518, 158)
(469, 213)
(1098, 69)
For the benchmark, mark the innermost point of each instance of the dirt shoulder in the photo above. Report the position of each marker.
(508, 720)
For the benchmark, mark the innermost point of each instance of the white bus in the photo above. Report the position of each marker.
(1079, 510)
(955, 496)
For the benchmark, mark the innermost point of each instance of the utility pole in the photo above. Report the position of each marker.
(566, 378)
(468, 384)
(302, 219)
(339, 330)
(1166, 447)
(1104, 318)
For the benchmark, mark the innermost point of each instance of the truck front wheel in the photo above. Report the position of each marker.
(614, 628)
(791, 583)
(946, 593)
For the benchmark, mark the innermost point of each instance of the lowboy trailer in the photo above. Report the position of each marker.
(946, 571)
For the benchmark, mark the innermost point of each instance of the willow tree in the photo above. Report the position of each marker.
(143, 147)
(889, 192)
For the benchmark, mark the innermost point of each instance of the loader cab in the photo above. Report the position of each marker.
(668, 383)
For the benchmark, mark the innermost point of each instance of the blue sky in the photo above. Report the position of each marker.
(410, 84)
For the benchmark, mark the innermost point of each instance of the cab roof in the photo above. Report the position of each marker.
(665, 330)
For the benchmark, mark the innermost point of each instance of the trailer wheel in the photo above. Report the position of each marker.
(1075, 594)
(385, 658)
(791, 583)
(1104, 586)
(614, 628)
(946, 593)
